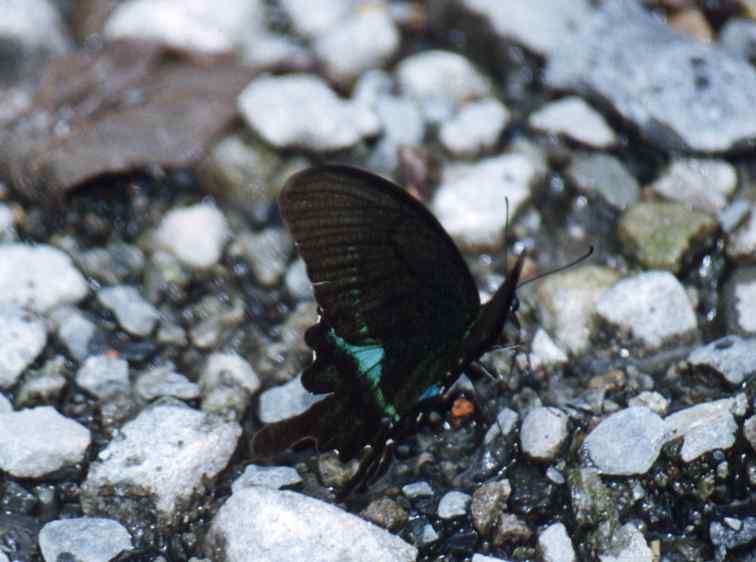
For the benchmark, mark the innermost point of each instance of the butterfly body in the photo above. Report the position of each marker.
(400, 316)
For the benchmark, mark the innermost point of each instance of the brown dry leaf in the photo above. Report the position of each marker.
(130, 106)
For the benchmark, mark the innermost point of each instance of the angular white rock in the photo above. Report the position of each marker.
(134, 314)
(574, 118)
(543, 432)
(195, 235)
(88, 539)
(704, 427)
(22, 337)
(476, 127)
(103, 375)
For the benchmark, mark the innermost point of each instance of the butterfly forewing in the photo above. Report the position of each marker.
(381, 265)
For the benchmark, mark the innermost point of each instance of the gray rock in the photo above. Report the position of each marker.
(193, 26)
(38, 277)
(742, 243)
(732, 357)
(31, 31)
(162, 381)
(651, 400)
(285, 401)
(660, 234)
(417, 490)
(5, 404)
(300, 110)
(651, 307)
(575, 119)
(87, 539)
(738, 37)
(316, 17)
(627, 545)
(74, 329)
(511, 529)
(297, 282)
(566, 302)
(543, 432)
(453, 504)
(104, 375)
(701, 184)
(364, 40)
(506, 420)
(703, 427)
(544, 352)
(749, 431)
(605, 176)
(428, 535)
(43, 385)
(740, 301)
(483, 558)
(38, 441)
(195, 235)
(112, 264)
(386, 513)
(731, 534)
(555, 545)
(680, 93)
(259, 523)
(275, 477)
(488, 502)
(134, 314)
(267, 253)
(627, 442)
(471, 201)
(441, 81)
(476, 128)
(227, 382)
(162, 458)
(22, 338)
(539, 25)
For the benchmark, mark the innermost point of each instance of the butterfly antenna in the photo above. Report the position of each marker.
(570, 265)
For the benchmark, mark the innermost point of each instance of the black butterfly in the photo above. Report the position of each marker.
(400, 316)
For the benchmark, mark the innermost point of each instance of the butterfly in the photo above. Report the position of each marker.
(400, 316)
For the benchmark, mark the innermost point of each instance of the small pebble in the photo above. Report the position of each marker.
(386, 513)
(195, 235)
(652, 307)
(163, 381)
(133, 312)
(453, 504)
(574, 118)
(275, 477)
(104, 375)
(555, 545)
(284, 401)
(627, 545)
(701, 184)
(703, 427)
(543, 433)
(417, 490)
(87, 539)
(627, 442)
(476, 128)
(506, 420)
(488, 502)
(267, 253)
(301, 111)
(651, 400)
(740, 301)
(511, 529)
(74, 329)
(23, 336)
(428, 535)
(749, 431)
(732, 357)
(38, 441)
(544, 351)
(605, 176)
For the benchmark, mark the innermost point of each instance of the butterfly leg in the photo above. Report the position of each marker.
(375, 464)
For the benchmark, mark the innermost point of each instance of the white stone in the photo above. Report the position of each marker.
(627, 442)
(363, 41)
(274, 477)
(163, 455)
(555, 545)
(229, 369)
(38, 277)
(258, 523)
(5, 404)
(742, 242)
(702, 184)
(195, 235)
(544, 351)
(103, 375)
(651, 400)
(505, 423)
(163, 380)
(574, 118)
(22, 338)
(74, 329)
(195, 25)
(418, 490)
(703, 427)
(38, 441)
(315, 17)
(301, 111)
(540, 25)
(628, 545)
(652, 306)
(543, 433)
(86, 539)
(471, 201)
(476, 128)
(441, 74)
(567, 300)
(134, 314)
(453, 504)
(286, 400)
(745, 296)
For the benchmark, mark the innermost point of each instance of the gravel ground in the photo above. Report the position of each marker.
(152, 306)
